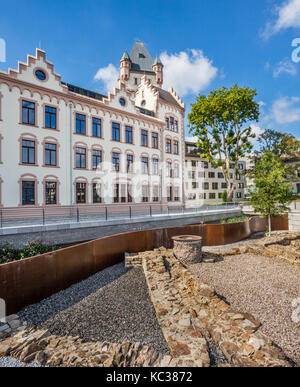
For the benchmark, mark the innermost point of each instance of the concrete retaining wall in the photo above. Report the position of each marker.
(30, 280)
(294, 221)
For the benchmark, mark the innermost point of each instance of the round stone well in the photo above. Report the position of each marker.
(188, 248)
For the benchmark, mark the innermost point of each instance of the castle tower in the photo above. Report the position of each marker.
(158, 69)
(125, 65)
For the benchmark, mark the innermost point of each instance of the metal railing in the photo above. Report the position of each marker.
(33, 216)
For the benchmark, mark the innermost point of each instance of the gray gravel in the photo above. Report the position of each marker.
(112, 305)
(262, 286)
(11, 362)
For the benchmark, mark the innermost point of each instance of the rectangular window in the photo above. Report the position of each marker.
(155, 196)
(171, 123)
(80, 193)
(167, 123)
(155, 140)
(194, 185)
(224, 185)
(241, 166)
(115, 131)
(211, 174)
(205, 186)
(97, 158)
(219, 195)
(176, 126)
(201, 174)
(176, 170)
(97, 127)
(175, 148)
(238, 195)
(194, 163)
(80, 123)
(145, 193)
(241, 185)
(50, 154)
(145, 163)
(169, 193)
(50, 117)
(116, 193)
(144, 138)
(80, 157)
(28, 193)
(220, 175)
(176, 194)
(129, 163)
(28, 152)
(155, 166)
(128, 134)
(28, 113)
(50, 192)
(168, 146)
(116, 161)
(212, 195)
(204, 164)
(191, 174)
(97, 193)
(214, 185)
(169, 169)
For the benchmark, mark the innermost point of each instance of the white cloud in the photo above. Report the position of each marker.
(287, 15)
(257, 130)
(188, 71)
(285, 67)
(108, 76)
(286, 110)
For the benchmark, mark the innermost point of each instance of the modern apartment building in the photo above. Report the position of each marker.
(205, 184)
(65, 145)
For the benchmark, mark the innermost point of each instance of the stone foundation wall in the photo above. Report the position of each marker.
(191, 314)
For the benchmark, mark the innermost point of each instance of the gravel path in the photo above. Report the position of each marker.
(112, 305)
(262, 286)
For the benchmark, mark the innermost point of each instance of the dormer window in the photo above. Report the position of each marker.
(143, 102)
(40, 75)
(142, 56)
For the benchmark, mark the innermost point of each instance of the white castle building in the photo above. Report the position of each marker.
(64, 145)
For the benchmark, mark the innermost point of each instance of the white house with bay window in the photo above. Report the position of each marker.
(64, 145)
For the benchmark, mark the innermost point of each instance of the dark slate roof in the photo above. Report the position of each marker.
(166, 96)
(140, 58)
(125, 56)
(157, 61)
(87, 93)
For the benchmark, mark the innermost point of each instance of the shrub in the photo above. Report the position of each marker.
(234, 219)
(9, 254)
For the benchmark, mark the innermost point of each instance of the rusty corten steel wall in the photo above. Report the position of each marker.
(30, 280)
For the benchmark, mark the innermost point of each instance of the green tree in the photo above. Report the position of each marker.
(283, 145)
(271, 191)
(220, 121)
(224, 196)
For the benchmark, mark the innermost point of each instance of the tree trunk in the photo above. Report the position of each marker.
(269, 223)
(229, 196)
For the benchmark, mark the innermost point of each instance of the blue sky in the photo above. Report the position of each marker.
(232, 41)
